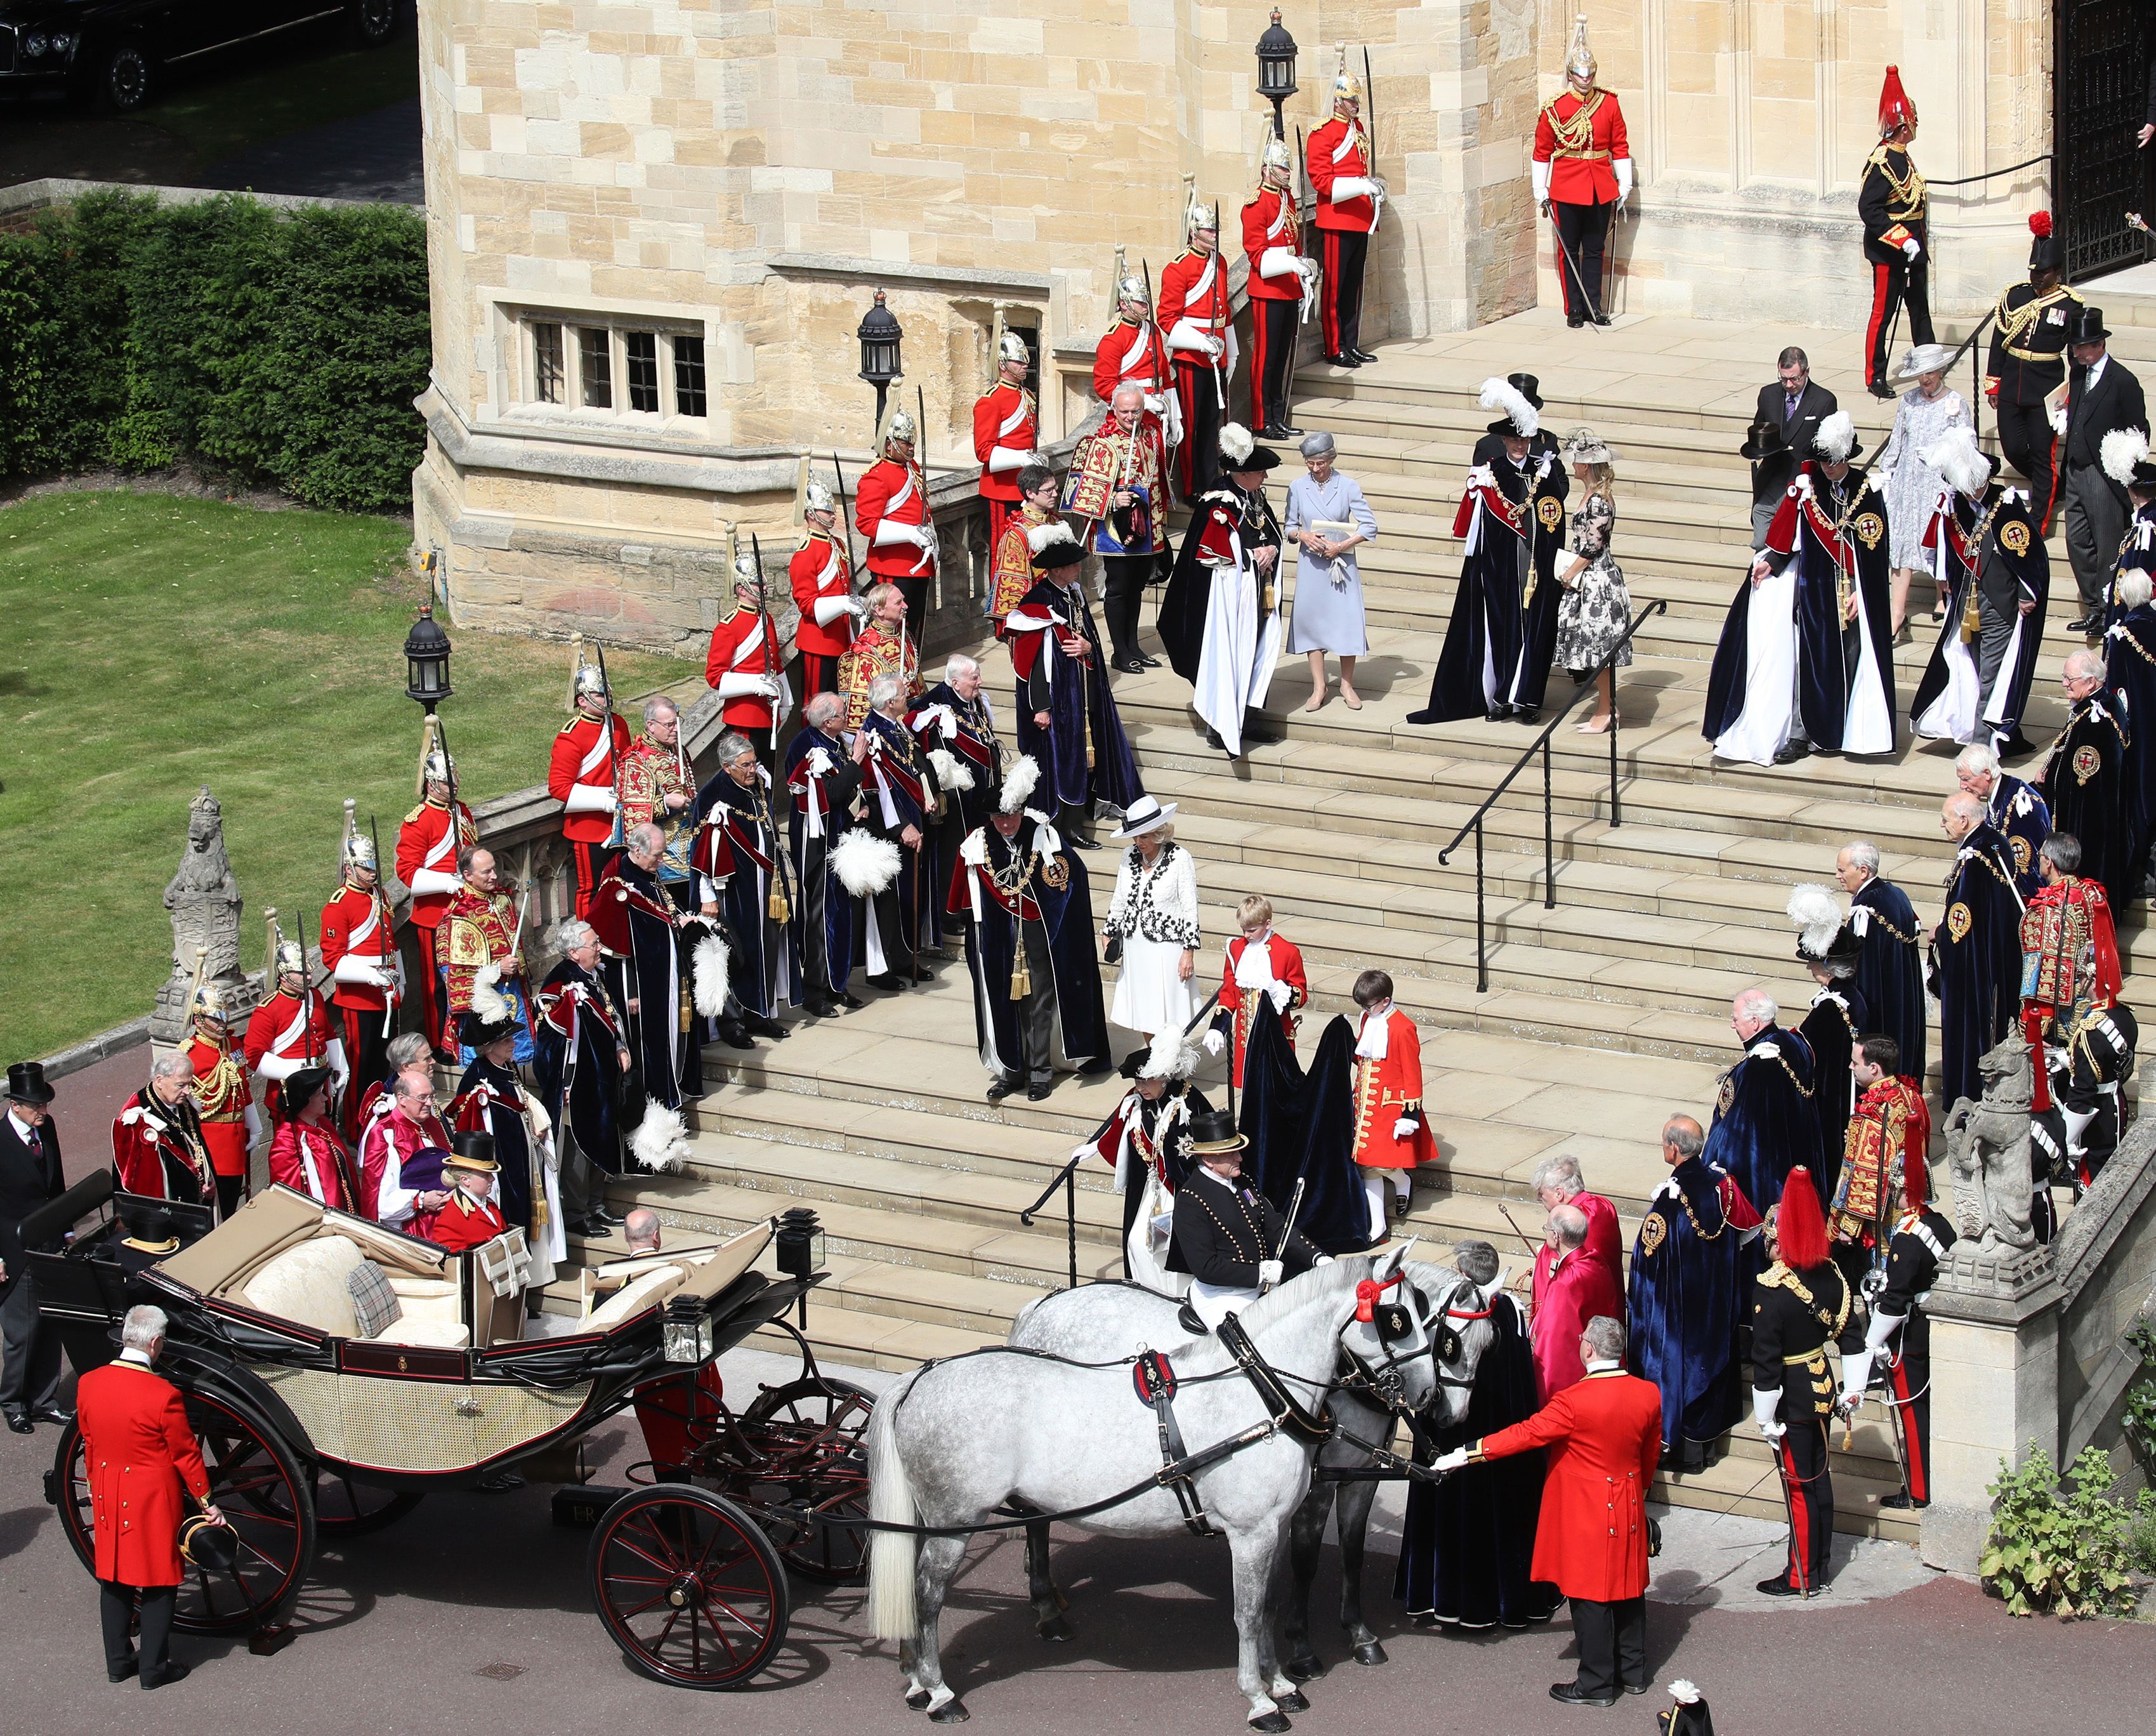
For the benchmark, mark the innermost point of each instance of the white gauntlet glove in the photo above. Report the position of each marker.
(1406, 1127)
(1270, 1273)
(1281, 994)
(1456, 1459)
(1910, 247)
(1214, 1042)
(1765, 1402)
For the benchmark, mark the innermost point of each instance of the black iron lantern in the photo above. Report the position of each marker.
(880, 337)
(798, 1249)
(1276, 70)
(427, 660)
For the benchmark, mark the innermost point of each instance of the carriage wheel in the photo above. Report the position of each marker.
(257, 1481)
(810, 1432)
(687, 1586)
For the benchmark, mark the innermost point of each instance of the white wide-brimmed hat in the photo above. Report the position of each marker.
(1145, 814)
(1924, 358)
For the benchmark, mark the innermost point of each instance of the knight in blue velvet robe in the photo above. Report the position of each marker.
(825, 785)
(2023, 818)
(1832, 1031)
(945, 722)
(1685, 1302)
(740, 858)
(1890, 972)
(1467, 1544)
(1978, 944)
(899, 793)
(2129, 649)
(1765, 1121)
(1997, 576)
(1086, 766)
(1302, 1127)
(637, 923)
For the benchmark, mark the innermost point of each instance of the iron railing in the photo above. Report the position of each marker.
(1542, 744)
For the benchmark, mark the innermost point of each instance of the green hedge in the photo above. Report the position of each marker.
(283, 348)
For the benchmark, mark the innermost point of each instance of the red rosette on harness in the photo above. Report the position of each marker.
(1367, 1293)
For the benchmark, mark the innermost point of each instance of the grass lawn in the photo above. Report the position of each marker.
(160, 643)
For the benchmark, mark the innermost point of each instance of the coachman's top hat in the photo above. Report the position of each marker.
(1762, 441)
(26, 1082)
(2086, 325)
(1213, 1133)
(209, 1543)
(473, 1151)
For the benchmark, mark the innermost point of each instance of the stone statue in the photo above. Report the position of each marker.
(204, 902)
(1988, 1156)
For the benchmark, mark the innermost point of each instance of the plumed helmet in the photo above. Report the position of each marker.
(213, 1002)
(439, 768)
(1197, 214)
(292, 958)
(2046, 252)
(359, 850)
(899, 428)
(1896, 110)
(1012, 348)
(1275, 156)
(1346, 86)
(748, 577)
(1579, 59)
(591, 680)
(818, 498)
(1133, 289)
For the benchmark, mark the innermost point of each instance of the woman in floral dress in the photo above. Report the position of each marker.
(1912, 487)
(1596, 607)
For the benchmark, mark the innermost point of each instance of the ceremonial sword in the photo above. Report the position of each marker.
(1287, 1230)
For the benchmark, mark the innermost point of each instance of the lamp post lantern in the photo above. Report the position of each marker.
(881, 336)
(427, 660)
(1276, 70)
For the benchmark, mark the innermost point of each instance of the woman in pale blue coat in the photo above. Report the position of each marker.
(1327, 517)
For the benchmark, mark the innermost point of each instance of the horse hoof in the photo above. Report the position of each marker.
(1371, 1653)
(951, 1711)
(1308, 1667)
(917, 1701)
(1296, 1700)
(1057, 1629)
(1272, 1723)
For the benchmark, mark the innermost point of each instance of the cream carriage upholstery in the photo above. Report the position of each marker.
(310, 1283)
(648, 1280)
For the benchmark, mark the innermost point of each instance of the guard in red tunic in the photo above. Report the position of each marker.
(1132, 350)
(1583, 175)
(1006, 429)
(746, 666)
(157, 1149)
(359, 951)
(891, 507)
(469, 1219)
(1605, 1433)
(1281, 283)
(584, 776)
(1342, 158)
(1259, 962)
(1892, 203)
(291, 1029)
(143, 1463)
(426, 846)
(1195, 314)
(1391, 1134)
(222, 1093)
(822, 577)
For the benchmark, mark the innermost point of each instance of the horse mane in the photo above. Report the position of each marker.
(1322, 1281)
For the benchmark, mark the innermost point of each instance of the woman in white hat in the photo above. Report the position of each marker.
(1152, 925)
(1596, 607)
(1912, 488)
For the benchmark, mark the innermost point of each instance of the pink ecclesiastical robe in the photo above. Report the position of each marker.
(1570, 1290)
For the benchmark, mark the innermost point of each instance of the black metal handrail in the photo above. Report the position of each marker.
(2012, 168)
(1542, 744)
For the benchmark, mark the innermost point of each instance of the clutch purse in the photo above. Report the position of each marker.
(1112, 954)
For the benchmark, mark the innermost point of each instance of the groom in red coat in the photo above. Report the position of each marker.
(1604, 1434)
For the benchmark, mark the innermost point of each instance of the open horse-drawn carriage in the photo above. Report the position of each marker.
(336, 1371)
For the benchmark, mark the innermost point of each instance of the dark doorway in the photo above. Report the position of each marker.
(2100, 97)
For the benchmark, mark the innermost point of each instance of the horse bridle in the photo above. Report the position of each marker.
(1394, 1320)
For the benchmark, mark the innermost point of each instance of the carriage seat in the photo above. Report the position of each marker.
(312, 1283)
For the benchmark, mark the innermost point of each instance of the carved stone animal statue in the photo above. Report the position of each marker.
(1987, 1152)
(203, 899)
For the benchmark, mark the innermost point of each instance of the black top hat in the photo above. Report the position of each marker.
(149, 1227)
(475, 1032)
(2086, 326)
(1212, 1132)
(1527, 386)
(473, 1151)
(1762, 441)
(300, 1086)
(206, 1542)
(26, 1082)
(1058, 552)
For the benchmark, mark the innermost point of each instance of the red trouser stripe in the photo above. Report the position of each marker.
(1258, 418)
(1328, 304)
(1912, 1440)
(1878, 319)
(2051, 500)
(1800, 1522)
(432, 1004)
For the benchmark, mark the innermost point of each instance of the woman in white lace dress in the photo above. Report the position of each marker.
(1912, 487)
(1152, 919)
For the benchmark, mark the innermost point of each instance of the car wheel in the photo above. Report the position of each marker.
(126, 78)
(371, 22)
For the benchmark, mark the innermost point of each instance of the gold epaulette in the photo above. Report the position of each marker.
(415, 813)
(1776, 1277)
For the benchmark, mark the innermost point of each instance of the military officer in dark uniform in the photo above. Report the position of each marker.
(2028, 363)
(1891, 203)
(1801, 1312)
(1228, 1236)
(1900, 1327)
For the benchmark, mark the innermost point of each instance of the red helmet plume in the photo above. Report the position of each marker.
(1896, 110)
(2040, 223)
(1799, 1226)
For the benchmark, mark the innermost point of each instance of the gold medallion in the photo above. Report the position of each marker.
(1652, 1228)
(2087, 763)
(1729, 1094)
(2014, 536)
(1959, 921)
(1055, 874)
(1870, 528)
(2020, 855)
(1551, 512)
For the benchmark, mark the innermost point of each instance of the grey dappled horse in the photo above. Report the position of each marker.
(952, 1442)
(1096, 1321)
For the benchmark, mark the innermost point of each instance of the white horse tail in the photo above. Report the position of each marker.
(891, 1553)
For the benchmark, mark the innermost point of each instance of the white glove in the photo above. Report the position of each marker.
(1541, 173)
(925, 538)
(858, 607)
(1270, 1273)
(1322, 1260)
(1406, 1127)
(1006, 458)
(830, 609)
(1153, 402)
(432, 880)
(1456, 1459)
(278, 1066)
(2059, 420)
(1214, 1042)
(254, 1123)
(591, 797)
(1216, 347)
(1772, 1431)
(1910, 247)
(1856, 1377)
(333, 1058)
(772, 686)
(1281, 994)
(353, 968)
(1352, 187)
(1623, 165)
(1280, 262)
(1765, 1402)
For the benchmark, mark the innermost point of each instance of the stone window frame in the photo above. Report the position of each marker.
(566, 363)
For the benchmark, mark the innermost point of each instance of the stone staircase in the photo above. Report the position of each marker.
(1602, 1015)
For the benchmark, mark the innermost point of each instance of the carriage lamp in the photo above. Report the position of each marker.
(800, 1243)
(686, 1334)
(1276, 70)
(427, 660)
(880, 337)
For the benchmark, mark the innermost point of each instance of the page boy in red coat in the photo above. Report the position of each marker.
(1604, 1434)
(1260, 962)
(143, 1460)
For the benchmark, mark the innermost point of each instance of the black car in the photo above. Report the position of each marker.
(114, 51)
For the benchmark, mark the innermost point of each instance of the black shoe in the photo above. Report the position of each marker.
(2083, 625)
(851, 1002)
(1526, 714)
(1360, 354)
(1791, 753)
(1779, 1586)
(606, 1220)
(1149, 662)
(1001, 1089)
(887, 979)
(1880, 388)
(1039, 1090)
(1575, 321)
(2016, 744)
(1603, 319)
(165, 1677)
(1570, 1693)
(762, 1026)
(126, 1672)
(819, 1006)
(1495, 714)
(1903, 1501)
(1084, 843)
(52, 1414)
(734, 1037)
(1342, 362)
(1213, 739)
(1127, 665)
(19, 1421)
(1638, 1687)
(1280, 431)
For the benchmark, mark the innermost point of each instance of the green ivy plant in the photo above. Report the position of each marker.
(2055, 1546)
(2137, 1410)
